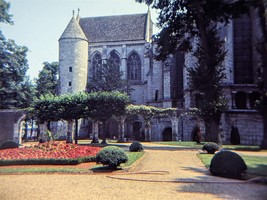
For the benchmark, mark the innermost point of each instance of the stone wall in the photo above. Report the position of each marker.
(249, 124)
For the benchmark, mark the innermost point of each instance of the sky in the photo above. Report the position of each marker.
(38, 24)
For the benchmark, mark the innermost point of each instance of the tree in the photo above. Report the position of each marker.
(13, 68)
(184, 20)
(47, 81)
(5, 17)
(262, 11)
(206, 80)
(108, 78)
(98, 106)
(104, 105)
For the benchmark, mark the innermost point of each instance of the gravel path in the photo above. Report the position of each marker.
(181, 165)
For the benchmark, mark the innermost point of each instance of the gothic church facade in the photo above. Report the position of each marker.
(87, 43)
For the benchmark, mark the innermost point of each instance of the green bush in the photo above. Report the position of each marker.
(136, 146)
(227, 164)
(8, 144)
(210, 147)
(112, 156)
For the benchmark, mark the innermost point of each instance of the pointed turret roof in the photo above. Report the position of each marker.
(73, 30)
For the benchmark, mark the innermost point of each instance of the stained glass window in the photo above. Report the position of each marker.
(96, 64)
(134, 67)
(114, 60)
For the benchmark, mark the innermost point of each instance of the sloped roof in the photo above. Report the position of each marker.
(114, 28)
(73, 30)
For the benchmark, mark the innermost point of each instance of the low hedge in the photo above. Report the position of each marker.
(50, 161)
(8, 144)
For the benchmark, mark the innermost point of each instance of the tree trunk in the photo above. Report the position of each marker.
(264, 141)
(32, 124)
(70, 132)
(48, 125)
(76, 131)
(121, 135)
(26, 131)
(38, 131)
(95, 138)
(212, 131)
(104, 141)
(263, 14)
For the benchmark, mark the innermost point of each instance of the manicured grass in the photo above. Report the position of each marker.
(189, 144)
(133, 157)
(182, 144)
(257, 165)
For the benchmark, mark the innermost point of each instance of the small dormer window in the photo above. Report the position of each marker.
(70, 69)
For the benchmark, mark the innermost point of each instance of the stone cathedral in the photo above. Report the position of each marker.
(87, 43)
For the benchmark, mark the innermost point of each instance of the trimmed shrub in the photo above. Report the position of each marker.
(227, 164)
(136, 146)
(112, 156)
(8, 144)
(210, 147)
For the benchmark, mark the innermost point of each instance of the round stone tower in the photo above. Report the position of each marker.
(73, 58)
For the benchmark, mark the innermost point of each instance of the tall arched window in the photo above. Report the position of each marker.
(134, 67)
(114, 60)
(96, 64)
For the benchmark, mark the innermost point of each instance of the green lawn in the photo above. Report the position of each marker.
(257, 165)
(189, 144)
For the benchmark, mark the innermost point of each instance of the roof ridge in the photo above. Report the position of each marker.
(104, 16)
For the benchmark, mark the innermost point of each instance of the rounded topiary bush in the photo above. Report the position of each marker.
(227, 164)
(112, 156)
(210, 147)
(136, 146)
(8, 144)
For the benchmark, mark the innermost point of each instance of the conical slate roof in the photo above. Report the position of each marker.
(73, 30)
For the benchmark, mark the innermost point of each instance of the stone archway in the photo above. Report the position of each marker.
(167, 134)
(10, 123)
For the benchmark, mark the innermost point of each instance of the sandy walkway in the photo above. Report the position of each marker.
(180, 165)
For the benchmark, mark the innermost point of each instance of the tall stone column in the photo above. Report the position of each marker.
(175, 134)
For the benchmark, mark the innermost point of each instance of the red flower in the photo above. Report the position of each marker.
(49, 150)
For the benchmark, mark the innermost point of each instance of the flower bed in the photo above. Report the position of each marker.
(49, 153)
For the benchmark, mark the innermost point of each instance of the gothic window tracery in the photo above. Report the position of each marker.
(96, 64)
(114, 60)
(134, 67)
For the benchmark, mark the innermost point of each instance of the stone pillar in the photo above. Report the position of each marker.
(175, 134)
(148, 133)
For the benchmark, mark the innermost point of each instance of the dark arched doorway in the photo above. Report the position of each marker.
(167, 134)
